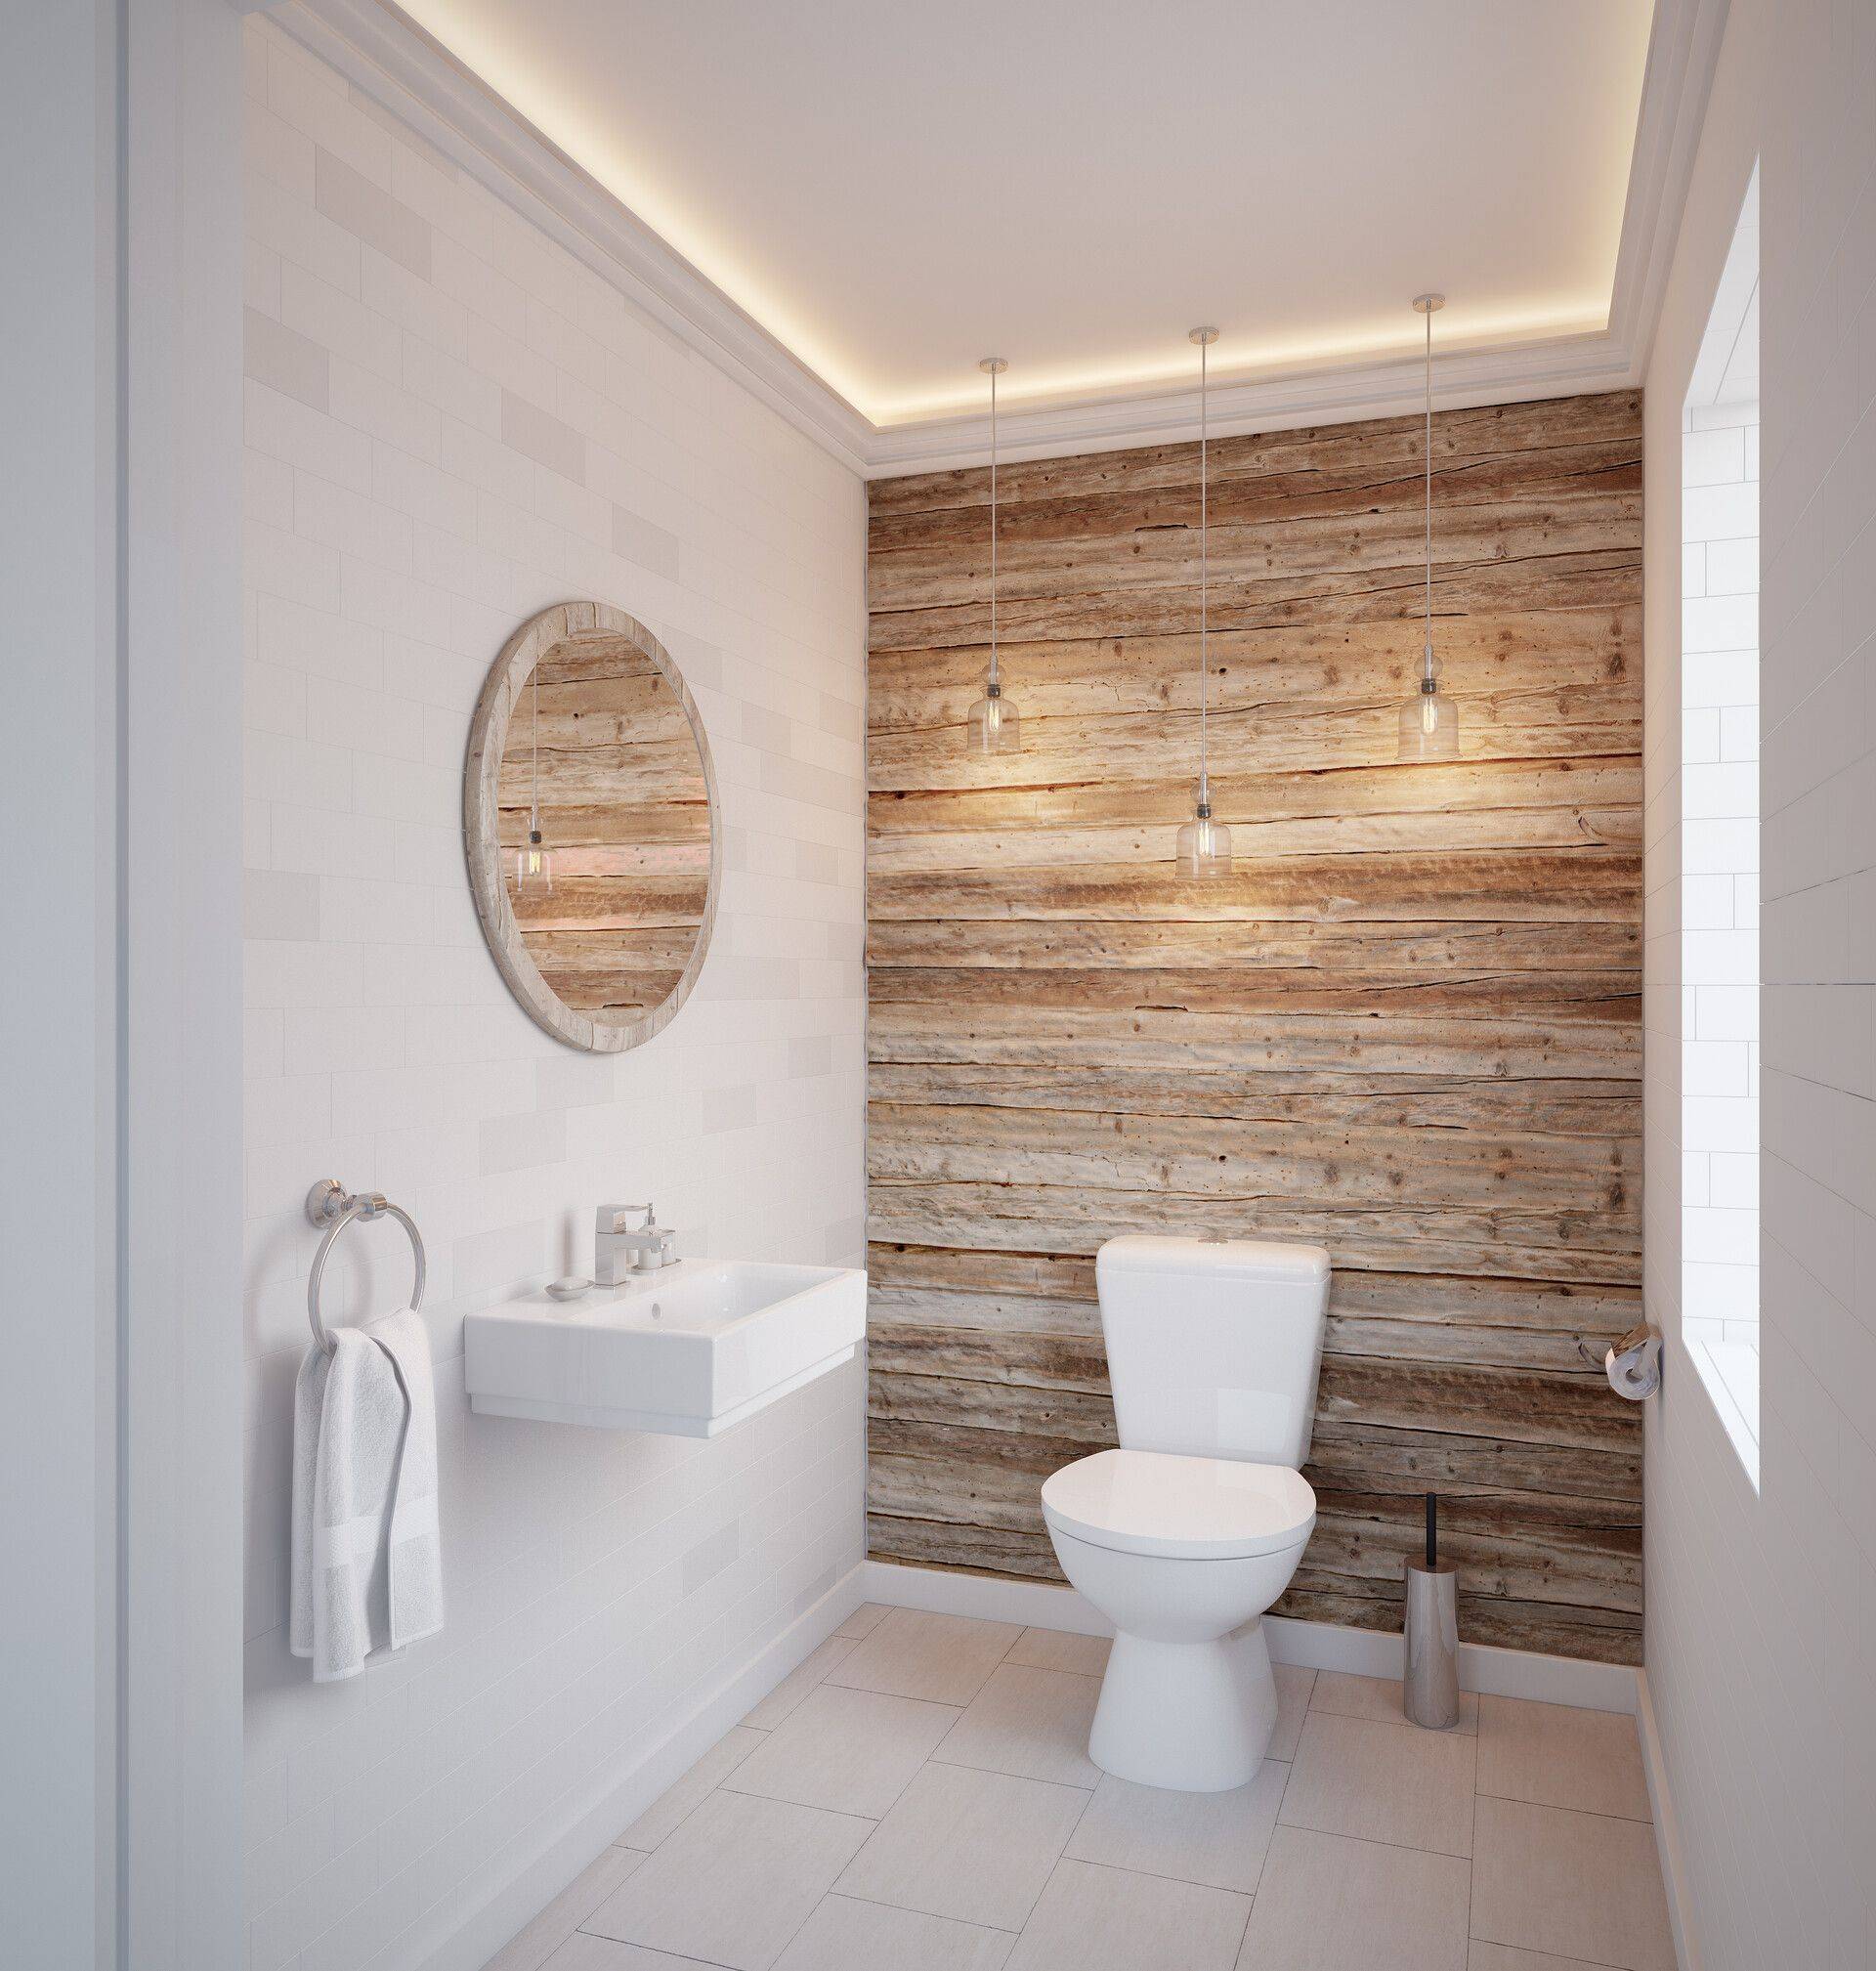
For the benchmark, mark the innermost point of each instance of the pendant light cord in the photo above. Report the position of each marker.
(533, 805)
(993, 532)
(1427, 655)
(1205, 784)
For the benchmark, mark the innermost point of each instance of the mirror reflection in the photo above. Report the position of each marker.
(598, 829)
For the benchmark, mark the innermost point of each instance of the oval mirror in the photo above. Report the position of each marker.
(589, 813)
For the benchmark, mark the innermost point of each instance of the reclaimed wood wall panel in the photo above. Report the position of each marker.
(1407, 1027)
(605, 746)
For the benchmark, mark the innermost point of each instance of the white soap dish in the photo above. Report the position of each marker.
(569, 1288)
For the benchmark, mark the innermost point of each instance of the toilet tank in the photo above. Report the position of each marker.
(1212, 1348)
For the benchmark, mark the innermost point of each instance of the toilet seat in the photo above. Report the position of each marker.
(1179, 1508)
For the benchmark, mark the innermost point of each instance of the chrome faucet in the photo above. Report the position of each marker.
(618, 1248)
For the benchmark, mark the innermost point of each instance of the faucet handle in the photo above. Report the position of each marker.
(611, 1217)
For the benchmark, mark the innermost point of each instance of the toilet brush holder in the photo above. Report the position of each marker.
(1430, 1675)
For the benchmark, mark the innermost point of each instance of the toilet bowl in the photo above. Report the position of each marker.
(1185, 1535)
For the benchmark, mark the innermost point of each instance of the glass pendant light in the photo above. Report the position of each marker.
(533, 864)
(1205, 846)
(993, 723)
(1428, 718)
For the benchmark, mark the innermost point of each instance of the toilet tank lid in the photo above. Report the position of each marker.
(1213, 1259)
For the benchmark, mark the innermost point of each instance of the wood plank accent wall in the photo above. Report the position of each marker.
(626, 813)
(1407, 1027)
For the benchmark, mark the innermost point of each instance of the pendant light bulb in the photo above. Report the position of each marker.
(1204, 849)
(1428, 718)
(533, 862)
(994, 724)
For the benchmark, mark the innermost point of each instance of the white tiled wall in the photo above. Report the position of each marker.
(1720, 874)
(1760, 1644)
(450, 424)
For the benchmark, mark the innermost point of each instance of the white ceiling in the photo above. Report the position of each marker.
(893, 191)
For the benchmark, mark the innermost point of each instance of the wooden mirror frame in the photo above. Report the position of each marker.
(482, 831)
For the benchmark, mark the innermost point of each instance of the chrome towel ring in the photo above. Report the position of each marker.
(329, 1204)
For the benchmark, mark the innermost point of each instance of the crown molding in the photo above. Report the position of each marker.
(385, 54)
(380, 49)
(1683, 50)
(1344, 393)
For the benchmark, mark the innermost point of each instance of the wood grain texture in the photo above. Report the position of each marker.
(621, 770)
(1407, 1026)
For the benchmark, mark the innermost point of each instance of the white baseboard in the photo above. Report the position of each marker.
(992, 1597)
(1316, 1645)
(622, 1796)
(1667, 1832)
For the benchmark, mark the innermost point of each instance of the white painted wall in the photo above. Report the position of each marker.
(1761, 1642)
(59, 1189)
(450, 423)
(120, 1149)
(181, 1122)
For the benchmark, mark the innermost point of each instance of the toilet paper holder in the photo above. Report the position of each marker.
(1632, 1364)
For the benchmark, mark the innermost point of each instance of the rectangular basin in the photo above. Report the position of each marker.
(688, 1351)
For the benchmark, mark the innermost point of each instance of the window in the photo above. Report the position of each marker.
(1719, 847)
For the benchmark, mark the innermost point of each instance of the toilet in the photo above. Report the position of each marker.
(1191, 1529)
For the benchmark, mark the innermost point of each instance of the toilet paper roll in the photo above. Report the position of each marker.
(1633, 1364)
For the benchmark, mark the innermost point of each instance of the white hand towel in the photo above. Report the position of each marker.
(415, 1559)
(362, 1424)
(309, 1405)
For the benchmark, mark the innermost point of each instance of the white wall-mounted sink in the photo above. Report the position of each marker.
(688, 1350)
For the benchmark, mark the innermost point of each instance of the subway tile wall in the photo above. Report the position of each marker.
(449, 423)
(1720, 877)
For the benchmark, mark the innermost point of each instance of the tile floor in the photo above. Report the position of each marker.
(918, 1797)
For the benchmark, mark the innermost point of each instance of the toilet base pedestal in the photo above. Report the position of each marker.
(1193, 1717)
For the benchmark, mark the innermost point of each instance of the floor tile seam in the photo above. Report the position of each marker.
(711, 1963)
(928, 1760)
(1160, 1874)
(1314, 1710)
(1068, 1841)
(812, 1806)
(837, 1895)
(957, 1764)
(807, 1693)
(1274, 1825)
(705, 1963)
(717, 1787)
(1036, 1902)
(813, 1907)
(1250, 1900)
(1243, 1929)
(860, 1690)
(1453, 1736)
(1471, 1871)
(1557, 1807)
(919, 1910)
(1372, 1840)
(1152, 1874)
(911, 1697)
(1289, 1769)
(1053, 1669)
(1591, 1963)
